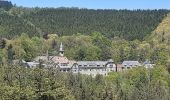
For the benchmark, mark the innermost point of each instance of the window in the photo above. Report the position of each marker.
(90, 65)
(63, 64)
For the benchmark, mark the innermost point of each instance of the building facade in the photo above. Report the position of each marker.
(84, 67)
(94, 67)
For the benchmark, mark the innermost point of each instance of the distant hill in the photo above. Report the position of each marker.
(162, 32)
(126, 24)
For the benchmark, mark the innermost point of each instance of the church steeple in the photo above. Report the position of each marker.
(61, 50)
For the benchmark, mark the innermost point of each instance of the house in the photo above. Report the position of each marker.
(130, 64)
(94, 67)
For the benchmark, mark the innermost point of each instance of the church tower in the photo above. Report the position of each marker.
(61, 50)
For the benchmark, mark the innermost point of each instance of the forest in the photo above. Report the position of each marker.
(126, 24)
(86, 35)
(18, 82)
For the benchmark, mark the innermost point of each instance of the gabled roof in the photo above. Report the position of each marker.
(92, 63)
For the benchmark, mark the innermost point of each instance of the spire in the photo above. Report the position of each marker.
(61, 50)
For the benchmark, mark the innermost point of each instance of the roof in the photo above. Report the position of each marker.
(95, 62)
(92, 63)
(58, 59)
(130, 63)
(147, 62)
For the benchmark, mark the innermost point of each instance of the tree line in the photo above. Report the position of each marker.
(84, 47)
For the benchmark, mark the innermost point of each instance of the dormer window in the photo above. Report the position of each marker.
(111, 65)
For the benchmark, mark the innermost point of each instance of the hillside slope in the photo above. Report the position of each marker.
(13, 25)
(162, 32)
(126, 24)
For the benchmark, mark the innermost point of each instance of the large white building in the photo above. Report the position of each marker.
(94, 67)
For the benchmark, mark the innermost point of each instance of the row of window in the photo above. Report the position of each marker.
(111, 65)
(131, 65)
(92, 69)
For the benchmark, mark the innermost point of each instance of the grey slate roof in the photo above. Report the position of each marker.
(131, 63)
(92, 63)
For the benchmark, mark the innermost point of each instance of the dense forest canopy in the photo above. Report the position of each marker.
(126, 24)
(20, 83)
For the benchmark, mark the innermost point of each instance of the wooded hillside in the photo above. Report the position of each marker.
(126, 24)
(162, 32)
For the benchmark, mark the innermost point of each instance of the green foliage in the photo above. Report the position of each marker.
(94, 47)
(18, 83)
(10, 53)
(126, 24)
(111, 23)
(13, 25)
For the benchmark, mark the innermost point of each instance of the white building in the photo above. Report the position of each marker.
(94, 67)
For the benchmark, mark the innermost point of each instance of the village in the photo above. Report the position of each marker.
(92, 68)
